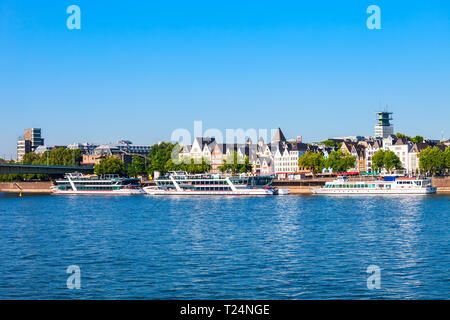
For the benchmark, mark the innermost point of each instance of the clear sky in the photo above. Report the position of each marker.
(138, 70)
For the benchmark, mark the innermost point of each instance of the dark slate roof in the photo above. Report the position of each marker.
(299, 146)
(401, 141)
(417, 147)
(279, 136)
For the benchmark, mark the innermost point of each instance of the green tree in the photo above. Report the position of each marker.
(110, 166)
(378, 160)
(391, 161)
(313, 161)
(340, 161)
(246, 167)
(446, 158)
(171, 166)
(431, 160)
(385, 159)
(31, 158)
(236, 164)
(189, 165)
(195, 167)
(57, 157)
(159, 156)
(137, 167)
(401, 135)
(417, 139)
(329, 143)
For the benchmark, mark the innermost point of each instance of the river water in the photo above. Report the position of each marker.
(286, 247)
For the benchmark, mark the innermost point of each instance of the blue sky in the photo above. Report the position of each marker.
(138, 70)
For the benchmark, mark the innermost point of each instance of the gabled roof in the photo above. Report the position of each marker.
(348, 145)
(278, 136)
(210, 145)
(204, 140)
(221, 146)
(417, 147)
(378, 144)
(361, 152)
(401, 141)
(274, 146)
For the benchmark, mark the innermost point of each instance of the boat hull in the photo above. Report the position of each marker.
(249, 192)
(428, 190)
(281, 191)
(125, 192)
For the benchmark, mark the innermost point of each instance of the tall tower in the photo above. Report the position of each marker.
(383, 128)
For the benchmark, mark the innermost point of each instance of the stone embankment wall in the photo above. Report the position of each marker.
(442, 184)
(25, 187)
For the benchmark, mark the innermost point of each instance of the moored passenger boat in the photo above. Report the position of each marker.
(182, 183)
(76, 183)
(390, 185)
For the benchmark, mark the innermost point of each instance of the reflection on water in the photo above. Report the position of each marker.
(224, 247)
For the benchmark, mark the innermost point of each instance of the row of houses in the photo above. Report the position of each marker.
(405, 149)
(280, 156)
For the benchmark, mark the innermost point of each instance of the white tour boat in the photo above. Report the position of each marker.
(76, 183)
(390, 185)
(182, 183)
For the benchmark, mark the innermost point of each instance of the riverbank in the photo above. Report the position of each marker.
(294, 186)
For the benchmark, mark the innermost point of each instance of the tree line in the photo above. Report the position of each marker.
(159, 159)
(56, 157)
(434, 160)
(338, 161)
(431, 161)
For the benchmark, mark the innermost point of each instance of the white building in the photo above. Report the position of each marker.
(401, 149)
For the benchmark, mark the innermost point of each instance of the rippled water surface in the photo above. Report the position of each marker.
(292, 247)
